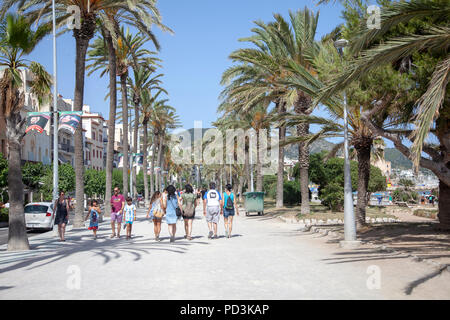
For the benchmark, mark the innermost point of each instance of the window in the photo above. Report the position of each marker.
(93, 135)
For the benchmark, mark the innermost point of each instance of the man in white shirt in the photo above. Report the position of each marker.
(212, 209)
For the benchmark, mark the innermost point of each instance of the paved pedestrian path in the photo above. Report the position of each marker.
(265, 259)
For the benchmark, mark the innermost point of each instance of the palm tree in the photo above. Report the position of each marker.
(142, 14)
(428, 113)
(130, 53)
(327, 62)
(147, 105)
(163, 117)
(257, 118)
(102, 51)
(16, 40)
(262, 71)
(142, 81)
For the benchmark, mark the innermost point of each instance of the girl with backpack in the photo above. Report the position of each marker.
(229, 208)
(93, 215)
(188, 205)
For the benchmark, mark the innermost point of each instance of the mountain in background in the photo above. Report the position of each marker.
(397, 159)
(291, 152)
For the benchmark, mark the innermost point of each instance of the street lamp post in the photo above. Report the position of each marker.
(349, 216)
(55, 111)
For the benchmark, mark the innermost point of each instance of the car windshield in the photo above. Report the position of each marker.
(36, 208)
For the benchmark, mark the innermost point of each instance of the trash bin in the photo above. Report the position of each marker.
(254, 202)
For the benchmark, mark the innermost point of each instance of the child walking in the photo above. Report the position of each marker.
(130, 216)
(94, 211)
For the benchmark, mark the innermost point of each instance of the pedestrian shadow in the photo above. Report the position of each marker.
(5, 287)
(46, 252)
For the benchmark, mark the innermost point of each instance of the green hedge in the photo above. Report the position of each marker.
(4, 215)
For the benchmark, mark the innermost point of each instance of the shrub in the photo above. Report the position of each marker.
(291, 192)
(333, 196)
(4, 215)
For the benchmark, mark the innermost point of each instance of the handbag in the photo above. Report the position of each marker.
(158, 212)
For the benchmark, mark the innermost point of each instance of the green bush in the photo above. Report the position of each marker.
(4, 215)
(333, 196)
(291, 192)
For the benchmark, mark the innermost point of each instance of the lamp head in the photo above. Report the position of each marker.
(341, 43)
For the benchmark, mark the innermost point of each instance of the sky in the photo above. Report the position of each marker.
(194, 57)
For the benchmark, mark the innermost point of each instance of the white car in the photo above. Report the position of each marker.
(39, 215)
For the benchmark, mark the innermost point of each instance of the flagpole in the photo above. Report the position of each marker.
(55, 111)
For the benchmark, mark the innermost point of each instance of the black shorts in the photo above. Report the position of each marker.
(189, 218)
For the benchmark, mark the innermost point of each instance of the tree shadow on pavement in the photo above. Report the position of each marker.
(46, 252)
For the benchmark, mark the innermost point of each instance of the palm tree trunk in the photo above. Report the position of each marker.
(112, 120)
(247, 166)
(82, 43)
(444, 206)
(302, 108)
(159, 172)
(17, 233)
(145, 163)
(123, 85)
(152, 167)
(259, 176)
(280, 173)
(240, 185)
(363, 153)
(135, 142)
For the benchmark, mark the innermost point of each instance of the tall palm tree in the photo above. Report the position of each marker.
(257, 118)
(147, 105)
(262, 70)
(142, 14)
(142, 80)
(102, 56)
(428, 114)
(17, 39)
(360, 97)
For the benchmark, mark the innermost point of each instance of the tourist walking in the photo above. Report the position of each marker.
(230, 207)
(130, 215)
(62, 215)
(212, 209)
(93, 214)
(188, 205)
(156, 212)
(117, 205)
(170, 203)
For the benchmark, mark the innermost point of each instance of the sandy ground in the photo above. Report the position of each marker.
(265, 259)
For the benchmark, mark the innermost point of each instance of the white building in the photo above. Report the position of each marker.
(94, 133)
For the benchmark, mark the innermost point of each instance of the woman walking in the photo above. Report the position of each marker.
(62, 215)
(229, 208)
(155, 212)
(170, 203)
(188, 204)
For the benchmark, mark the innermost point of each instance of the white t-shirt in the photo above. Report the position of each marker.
(129, 212)
(212, 198)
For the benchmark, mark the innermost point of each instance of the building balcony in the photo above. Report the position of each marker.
(66, 148)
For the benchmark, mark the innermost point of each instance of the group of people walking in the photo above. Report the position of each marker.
(171, 205)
